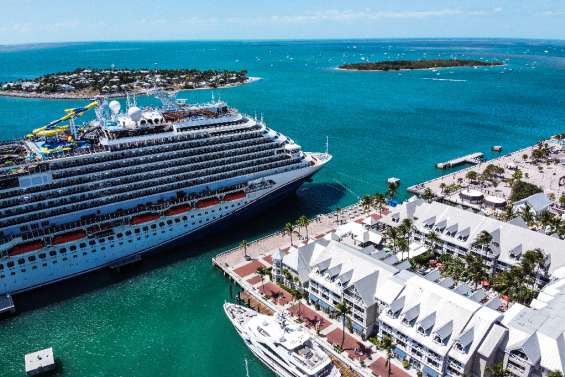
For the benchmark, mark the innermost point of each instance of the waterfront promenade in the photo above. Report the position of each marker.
(359, 357)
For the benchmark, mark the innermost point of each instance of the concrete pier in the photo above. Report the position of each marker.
(473, 158)
(39, 362)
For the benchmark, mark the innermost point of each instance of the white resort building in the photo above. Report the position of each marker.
(457, 229)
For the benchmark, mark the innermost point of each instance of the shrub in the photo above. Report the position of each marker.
(521, 190)
(405, 364)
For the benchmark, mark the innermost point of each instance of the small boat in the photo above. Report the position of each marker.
(234, 196)
(177, 210)
(287, 349)
(140, 219)
(25, 248)
(68, 237)
(207, 202)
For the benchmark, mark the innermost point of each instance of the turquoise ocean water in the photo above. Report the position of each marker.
(164, 317)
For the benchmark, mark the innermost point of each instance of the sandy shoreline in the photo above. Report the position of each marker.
(18, 94)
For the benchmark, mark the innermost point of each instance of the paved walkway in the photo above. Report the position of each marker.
(309, 317)
(380, 368)
(356, 349)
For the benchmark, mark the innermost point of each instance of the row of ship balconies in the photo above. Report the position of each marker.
(131, 159)
(149, 147)
(122, 216)
(75, 185)
(172, 185)
(146, 176)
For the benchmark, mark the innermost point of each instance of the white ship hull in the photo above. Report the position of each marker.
(136, 241)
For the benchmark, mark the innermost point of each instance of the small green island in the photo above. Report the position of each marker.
(88, 83)
(396, 65)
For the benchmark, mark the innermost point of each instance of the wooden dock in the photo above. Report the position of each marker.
(473, 158)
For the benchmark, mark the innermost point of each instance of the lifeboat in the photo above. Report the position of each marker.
(207, 202)
(144, 218)
(68, 237)
(234, 196)
(177, 210)
(25, 248)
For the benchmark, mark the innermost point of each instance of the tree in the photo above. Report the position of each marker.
(427, 194)
(471, 175)
(475, 270)
(366, 203)
(262, 271)
(555, 373)
(527, 214)
(289, 229)
(442, 187)
(388, 345)
(244, 244)
(483, 238)
(392, 187)
(521, 190)
(517, 175)
(379, 201)
(433, 238)
(403, 246)
(454, 267)
(297, 295)
(303, 221)
(531, 262)
(562, 200)
(497, 370)
(343, 310)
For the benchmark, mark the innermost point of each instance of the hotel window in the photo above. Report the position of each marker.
(52, 253)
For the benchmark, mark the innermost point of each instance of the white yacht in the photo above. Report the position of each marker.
(287, 349)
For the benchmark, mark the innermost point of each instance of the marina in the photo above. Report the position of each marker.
(473, 158)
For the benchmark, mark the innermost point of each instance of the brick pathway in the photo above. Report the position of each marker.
(354, 348)
(309, 317)
(248, 268)
(255, 279)
(380, 368)
(278, 295)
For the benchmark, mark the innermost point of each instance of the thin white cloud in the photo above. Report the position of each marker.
(370, 15)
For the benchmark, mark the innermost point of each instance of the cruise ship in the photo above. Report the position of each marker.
(286, 349)
(79, 197)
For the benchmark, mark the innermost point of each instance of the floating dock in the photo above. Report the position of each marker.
(40, 362)
(473, 158)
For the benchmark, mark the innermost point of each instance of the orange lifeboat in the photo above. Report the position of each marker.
(144, 218)
(25, 248)
(177, 210)
(234, 196)
(207, 202)
(68, 237)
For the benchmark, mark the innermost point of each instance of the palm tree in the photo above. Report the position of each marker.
(403, 246)
(427, 194)
(442, 187)
(391, 192)
(289, 229)
(343, 310)
(262, 271)
(475, 270)
(497, 370)
(303, 221)
(243, 244)
(555, 373)
(433, 238)
(337, 213)
(388, 345)
(527, 214)
(379, 202)
(532, 260)
(297, 295)
(483, 238)
(366, 203)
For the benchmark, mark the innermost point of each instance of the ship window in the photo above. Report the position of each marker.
(120, 235)
(102, 240)
(63, 250)
(83, 245)
(31, 258)
(169, 222)
(83, 254)
(1, 266)
(137, 230)
(54, 262)
(64, 259)
(128, 233)
(177, 220)
(102, 248)
(44, 264)
(73, 247)
(52, 253)
(74, 256)
(42, 255)
(34, 267)
(153, 226)
(12, 273)
(161, 224)
(111, 238)
(92, 242)
(145, 229)
(21, 261)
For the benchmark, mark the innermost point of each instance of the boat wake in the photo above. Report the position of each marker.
(438, 79)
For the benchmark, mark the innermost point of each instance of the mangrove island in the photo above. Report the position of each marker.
(396, 65)
(88, 83)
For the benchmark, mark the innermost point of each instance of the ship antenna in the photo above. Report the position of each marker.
(327, 145)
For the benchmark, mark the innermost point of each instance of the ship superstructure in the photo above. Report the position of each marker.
(287, 349)
(75, 198)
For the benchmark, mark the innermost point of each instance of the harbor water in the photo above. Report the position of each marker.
(164, 316)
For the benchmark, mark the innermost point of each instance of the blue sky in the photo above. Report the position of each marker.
(30, 21)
